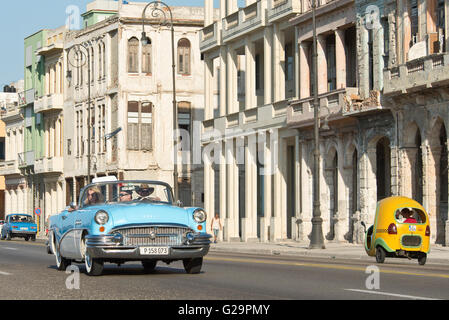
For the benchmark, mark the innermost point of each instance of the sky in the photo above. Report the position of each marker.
(21, 18)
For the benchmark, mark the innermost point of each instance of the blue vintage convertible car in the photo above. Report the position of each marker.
(121, 221)
(19, 225)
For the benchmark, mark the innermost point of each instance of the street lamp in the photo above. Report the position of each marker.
(159, 11)
(316, 240)
(80, 56)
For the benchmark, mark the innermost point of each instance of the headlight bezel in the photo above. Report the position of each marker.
(100, 221)
(197, 213)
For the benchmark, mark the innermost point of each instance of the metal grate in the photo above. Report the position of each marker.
(411, 241)
(162, 236)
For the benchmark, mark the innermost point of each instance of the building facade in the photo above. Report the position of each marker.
(381, 91)
(131, 93)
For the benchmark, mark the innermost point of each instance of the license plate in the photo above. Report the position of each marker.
(154, 251)
(23, 228)
(412, 228)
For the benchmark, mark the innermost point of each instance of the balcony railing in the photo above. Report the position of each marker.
(426, 72)
(49, 103)
(279, 9)
(210, 36)
(49, 165)
(26, 159)
(300, 112)
(244, 21)
(9, 168)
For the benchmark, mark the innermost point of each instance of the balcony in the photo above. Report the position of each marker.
(300, 112)
(26, 97)
(279, 9)
(422, 73)
(8, 168)
(354, 105)
(244, 21)
(210, 37)
(49, 165)
(49, 103)
(26, 159)
(11, 112)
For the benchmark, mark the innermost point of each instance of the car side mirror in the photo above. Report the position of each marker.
(73, 205)
(364, 225)
(179, 203)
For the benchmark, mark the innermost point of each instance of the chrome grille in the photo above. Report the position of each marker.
(411, 241)
(153, 236)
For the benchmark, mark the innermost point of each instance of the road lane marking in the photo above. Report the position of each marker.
(326, 266)
(8, 248)
(391, 294)
(5, 273)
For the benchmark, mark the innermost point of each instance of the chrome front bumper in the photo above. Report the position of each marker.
(109, 247)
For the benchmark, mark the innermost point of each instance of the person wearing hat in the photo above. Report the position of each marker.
(144, 192)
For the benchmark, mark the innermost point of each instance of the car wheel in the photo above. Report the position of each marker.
(422, 259)
(27, 238)
(33, 238)
(193, 266)
(149, 265)
(61, 262)
(380, 254)
(94, 267)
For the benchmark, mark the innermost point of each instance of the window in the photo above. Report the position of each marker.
(184, 56)
(133, 54)
(146, 57)
(69, 147)
(140, 126)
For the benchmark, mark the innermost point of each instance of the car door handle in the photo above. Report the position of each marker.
(78, 222)
(64, 217)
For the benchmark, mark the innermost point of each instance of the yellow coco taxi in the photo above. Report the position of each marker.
(401, 229)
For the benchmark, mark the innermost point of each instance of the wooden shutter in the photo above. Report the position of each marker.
(133, 125)
(147, 126)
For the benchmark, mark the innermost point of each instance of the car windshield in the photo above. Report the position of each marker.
(126, 191)
(21, 218)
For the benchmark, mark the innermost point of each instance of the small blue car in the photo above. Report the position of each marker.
(19, 225)
(121, 221)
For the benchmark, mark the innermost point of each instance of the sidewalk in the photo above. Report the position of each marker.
(438, 254)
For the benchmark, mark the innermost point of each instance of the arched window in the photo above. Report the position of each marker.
(184, 56)
(133, 55)
(146, 57)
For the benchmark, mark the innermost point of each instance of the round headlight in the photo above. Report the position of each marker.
(199, 216)
(101, 217)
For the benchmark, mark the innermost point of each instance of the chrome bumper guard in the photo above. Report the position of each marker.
(111, 247)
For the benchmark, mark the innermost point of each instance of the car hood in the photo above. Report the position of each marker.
(142, 213)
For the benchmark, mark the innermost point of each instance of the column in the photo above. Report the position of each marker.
(304, 70)
(340, 58)
(297, 227)
(250, 75)
(267, 188)
(208, 88)
(209, 12)
(209, 189)
(223, 80)
(322, 64)
(232, 222)
(232, 81)
(223, 185)
(250, 221)
(268, 44)
(279, 60)
(223, 9)
(278, 221)
(58, 152)
(296, 53)
(446, 31)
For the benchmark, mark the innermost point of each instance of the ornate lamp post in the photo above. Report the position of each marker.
(316, 241)
(78, 56)
(159, 12)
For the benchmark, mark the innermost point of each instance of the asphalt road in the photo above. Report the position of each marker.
(28, 272)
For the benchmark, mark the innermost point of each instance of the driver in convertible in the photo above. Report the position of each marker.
(144, 192)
